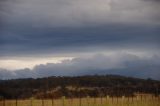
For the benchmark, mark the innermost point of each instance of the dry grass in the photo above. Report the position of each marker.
(146, 101)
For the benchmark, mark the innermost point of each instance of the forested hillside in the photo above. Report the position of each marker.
(79, 86)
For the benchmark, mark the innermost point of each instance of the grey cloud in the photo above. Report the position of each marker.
(122, 64)
(156, 1)
(60, 40)
(58, 26)
(5, 74)
(40, 13)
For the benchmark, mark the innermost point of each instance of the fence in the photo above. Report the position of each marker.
(87, 101)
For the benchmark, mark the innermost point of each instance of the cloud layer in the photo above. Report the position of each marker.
(59, 26)
(69, 28)
(69, 40)
(80, 12)
(121, 64)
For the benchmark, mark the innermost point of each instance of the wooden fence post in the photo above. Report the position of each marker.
(63, 101)
(31, 101)
(42, 102)
(123, 99)
(101, 101)
(112, 99)
(95, 104)
(132, 98)
(141, 97)
(137, 100)
(4, 102)
(52, 102)
(80, 101)
(107, 99)
(16, 102)
(88, 100)
(117, 99)
(128, 99)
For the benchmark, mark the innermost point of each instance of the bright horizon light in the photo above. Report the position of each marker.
(15, 64)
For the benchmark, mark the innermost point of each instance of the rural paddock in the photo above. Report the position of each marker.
(88, 101)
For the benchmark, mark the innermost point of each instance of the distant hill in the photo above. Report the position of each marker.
(78, 86)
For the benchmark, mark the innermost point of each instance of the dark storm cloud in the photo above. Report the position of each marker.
(121, 64)
(60, 39)
(38, 26)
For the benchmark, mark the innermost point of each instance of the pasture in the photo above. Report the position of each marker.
(87, 101)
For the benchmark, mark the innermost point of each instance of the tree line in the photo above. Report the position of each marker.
(77, 86)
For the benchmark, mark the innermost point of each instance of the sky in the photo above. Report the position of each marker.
(40, 38)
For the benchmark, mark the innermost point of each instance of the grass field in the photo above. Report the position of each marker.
(107, 101)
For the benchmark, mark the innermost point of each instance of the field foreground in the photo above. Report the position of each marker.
(88, 101)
